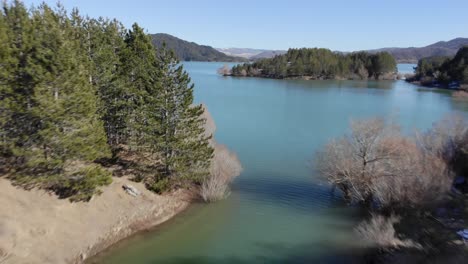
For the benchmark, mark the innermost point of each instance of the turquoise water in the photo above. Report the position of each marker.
(279, 210)
(405, 68)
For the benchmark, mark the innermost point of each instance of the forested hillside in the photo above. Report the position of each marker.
(320, 64)
(439, 49)
(190, 51)
(78, 94)
(401, 55)
(445, 71)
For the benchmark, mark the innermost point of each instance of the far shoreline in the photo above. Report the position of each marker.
(311, 78)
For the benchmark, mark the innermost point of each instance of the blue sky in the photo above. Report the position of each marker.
(345, 25)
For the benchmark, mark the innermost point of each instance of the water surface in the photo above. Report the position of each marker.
(279, 210)
(405, 68)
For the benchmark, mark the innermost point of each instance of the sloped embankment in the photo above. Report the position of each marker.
(37, 227)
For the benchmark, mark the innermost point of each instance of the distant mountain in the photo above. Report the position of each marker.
(191, 51)
(251, 54)
(268, 54)
(412, 54)
(241, 52)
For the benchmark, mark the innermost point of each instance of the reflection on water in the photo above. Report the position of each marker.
(279, 211)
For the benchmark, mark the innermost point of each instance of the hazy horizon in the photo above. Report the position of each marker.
(336, 25)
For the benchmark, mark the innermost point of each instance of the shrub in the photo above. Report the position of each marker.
(460, 95)
(160, 185)
(225, 167)
(380, 232)
(83, 184)
(79, 183)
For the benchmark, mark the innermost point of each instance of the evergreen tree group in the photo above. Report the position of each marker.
(443, 70)
(320, 64)
(75, 90)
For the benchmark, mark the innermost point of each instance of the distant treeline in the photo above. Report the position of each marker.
(443, 71)
(77, 91)
(321, 64)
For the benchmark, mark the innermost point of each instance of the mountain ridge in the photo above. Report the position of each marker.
(251, 54)
(413, 54)
(402, 54)
(191, 51)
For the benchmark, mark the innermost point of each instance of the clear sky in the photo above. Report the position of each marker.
(345, 25)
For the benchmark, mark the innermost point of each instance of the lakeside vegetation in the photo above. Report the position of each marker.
(79, 95)
(413, 187)
(320, 64)
(443, 71)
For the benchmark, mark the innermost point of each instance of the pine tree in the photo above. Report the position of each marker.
(138, 68)
(182, 142)
(70, 87)
(66, 101)
(5, 90)
(19, 125)
(105, 46)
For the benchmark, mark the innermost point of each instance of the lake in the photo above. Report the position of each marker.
(280, 210)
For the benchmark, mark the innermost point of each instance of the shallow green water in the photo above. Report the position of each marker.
(279, 211)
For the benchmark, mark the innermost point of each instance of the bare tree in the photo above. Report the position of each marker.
(448, 139)
(414, 177)
(376, 164)
(352, 163)
(225, 70)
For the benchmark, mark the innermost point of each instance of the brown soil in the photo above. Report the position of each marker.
(36, 227)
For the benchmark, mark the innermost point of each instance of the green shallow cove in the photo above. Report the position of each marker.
(279, 211)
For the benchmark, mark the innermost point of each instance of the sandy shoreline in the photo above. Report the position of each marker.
(148, 222)
(36, 227)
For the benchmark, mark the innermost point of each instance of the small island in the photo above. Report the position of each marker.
(319, 64)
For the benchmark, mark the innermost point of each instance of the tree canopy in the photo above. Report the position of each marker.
(76, 90)
(443, 70)
(321, 64)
